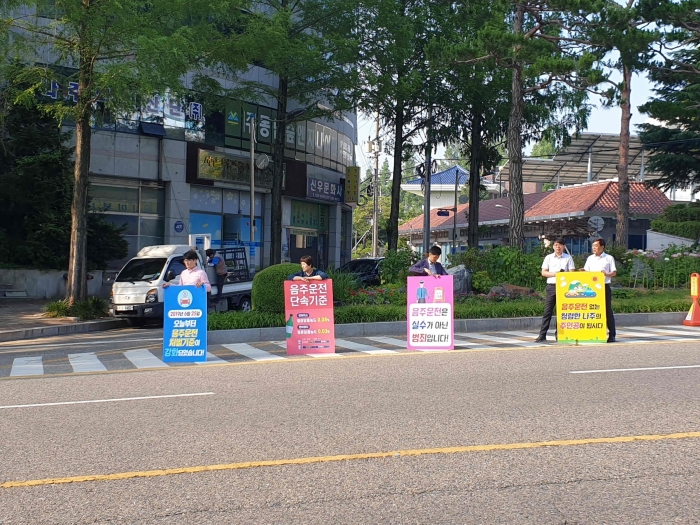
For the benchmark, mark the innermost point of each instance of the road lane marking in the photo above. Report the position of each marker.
(27, 366)
(211, 360)
(113, 400)
(87, 362)
(347, 457)
(251, 352)
(494, 339)
(359, 347)
(633, 369)
(142, 358)
(95, 342)
(327, 354)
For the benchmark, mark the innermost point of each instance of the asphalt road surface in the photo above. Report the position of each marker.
(495, 432)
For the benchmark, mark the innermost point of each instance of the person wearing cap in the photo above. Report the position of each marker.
(552, 264)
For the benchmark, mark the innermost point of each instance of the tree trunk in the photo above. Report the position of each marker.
(474, 181)
(623, 184)
(76, 286)
(515, 147)
(393, 230)
(277, 171)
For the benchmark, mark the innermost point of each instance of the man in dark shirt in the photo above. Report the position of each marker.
(429, 266)
(308, 272)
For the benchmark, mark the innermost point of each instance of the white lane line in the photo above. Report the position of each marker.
(211, 359)
(655, 338)
(87, 362)
(359, 347)
(106, 400)
(142, 358)
(404, 344)
(326, 355)
(27, 366)
(281, 344)
(494, 339)
(96, 342)
(661, 331)
(389, 341)
(633, 369)
(691, 329)
(252, 353)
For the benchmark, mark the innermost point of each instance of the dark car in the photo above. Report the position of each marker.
(367, 270)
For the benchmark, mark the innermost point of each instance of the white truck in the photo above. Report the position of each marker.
(137, 292)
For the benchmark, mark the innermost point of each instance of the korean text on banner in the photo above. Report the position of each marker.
(185, 324)
(430, 313)
(581, 307)
(308, 308)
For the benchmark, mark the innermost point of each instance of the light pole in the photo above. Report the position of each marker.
(252, 185)
(426, 193)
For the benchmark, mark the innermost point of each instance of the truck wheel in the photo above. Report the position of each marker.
(245, 305)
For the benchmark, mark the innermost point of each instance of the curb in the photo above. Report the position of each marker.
(257, 335)
(63, 329)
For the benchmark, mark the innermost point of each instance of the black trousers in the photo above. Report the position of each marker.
(609, 316)
(220, 279)
(550, 303)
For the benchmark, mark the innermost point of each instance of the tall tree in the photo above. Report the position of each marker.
(398, 80)
(117, 53)
(308, 45)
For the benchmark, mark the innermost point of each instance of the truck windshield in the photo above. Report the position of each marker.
(141, 270)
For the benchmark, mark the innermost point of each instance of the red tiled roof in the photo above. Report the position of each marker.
(600, 198)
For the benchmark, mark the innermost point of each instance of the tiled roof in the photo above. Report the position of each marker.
(585, 199)
(446, 177)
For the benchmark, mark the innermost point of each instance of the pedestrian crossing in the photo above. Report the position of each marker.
(150, 357)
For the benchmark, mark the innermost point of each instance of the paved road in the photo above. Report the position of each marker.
(508, 434)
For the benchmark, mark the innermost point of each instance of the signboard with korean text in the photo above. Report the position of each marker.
(430, 314)
(324, 190)
(309, 215)
(185, 324)
(213, 165)
(581, 307)
(308, 309)
(352, 184)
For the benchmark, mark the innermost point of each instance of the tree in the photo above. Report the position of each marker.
(109, 53)
(35, 174)
(308, 45)
(544, 149)
(398, 80)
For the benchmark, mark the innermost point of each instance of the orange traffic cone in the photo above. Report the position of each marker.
(693, 317)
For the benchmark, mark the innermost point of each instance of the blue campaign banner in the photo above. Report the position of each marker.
(185, 324)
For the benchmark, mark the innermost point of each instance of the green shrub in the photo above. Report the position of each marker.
(394, 267)
(268, 287)
(388, 294)
(93, 308)
(343, 284)
(481, 282)
(234, 320)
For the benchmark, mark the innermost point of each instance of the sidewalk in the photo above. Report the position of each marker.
(24, 319)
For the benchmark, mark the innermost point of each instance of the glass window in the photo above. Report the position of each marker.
(177, 266)
(231, 204)
(141, 270)
(131, 222)
(114, 199)
(151, 227)
(205, 199)
(152, 201)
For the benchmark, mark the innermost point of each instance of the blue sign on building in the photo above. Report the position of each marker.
(185, 324)
(179, 226)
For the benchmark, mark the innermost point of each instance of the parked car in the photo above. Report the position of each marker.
(367, 270)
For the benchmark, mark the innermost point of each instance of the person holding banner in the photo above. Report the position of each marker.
(602, 262)
(308, 272)
(429, 266)
(191, 274)
(553, 263)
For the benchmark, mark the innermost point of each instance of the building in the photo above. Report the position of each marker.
(580, 213)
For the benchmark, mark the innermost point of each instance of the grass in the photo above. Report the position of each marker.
(624, 301)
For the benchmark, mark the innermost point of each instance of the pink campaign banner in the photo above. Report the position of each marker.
(308, 308)
(430, 313)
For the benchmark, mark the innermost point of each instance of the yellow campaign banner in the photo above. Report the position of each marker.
(581, 307)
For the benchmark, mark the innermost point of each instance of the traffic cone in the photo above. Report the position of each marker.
(693, 317)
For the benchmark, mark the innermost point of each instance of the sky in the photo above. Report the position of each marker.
(601, 120)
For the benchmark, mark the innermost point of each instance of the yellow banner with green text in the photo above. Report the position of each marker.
(581, 307)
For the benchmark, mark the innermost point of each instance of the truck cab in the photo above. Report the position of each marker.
(137, 292)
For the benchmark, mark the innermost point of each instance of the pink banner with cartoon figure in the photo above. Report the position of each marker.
(308, 308)
(430, 314)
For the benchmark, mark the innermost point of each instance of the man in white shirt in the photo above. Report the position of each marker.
(602, 262)
(191, 274)
(553, 263)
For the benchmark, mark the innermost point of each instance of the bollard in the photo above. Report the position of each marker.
(693, 317)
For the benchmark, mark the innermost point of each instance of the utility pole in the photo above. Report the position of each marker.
(374, 147)
(426, 193)
(252, 187)
(375, 215)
